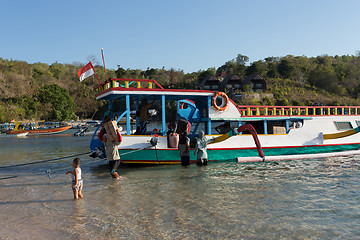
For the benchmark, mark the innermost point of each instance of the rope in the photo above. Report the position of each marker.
(43, 161)
(134, 151)
(157, 158)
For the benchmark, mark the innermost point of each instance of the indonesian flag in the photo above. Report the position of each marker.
(86, 71)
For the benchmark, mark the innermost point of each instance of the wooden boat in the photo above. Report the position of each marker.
(5, 127)
(39, 128)
(279, 130)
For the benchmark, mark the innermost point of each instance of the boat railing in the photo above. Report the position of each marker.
(310, 111)
(127, 83)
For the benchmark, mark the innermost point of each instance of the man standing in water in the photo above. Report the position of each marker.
(112, 151)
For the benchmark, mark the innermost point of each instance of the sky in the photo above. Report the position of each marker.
(188, 35)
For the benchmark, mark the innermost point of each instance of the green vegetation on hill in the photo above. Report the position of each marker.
(53, 92)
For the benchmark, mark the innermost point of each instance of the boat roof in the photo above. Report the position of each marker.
(118, 93)
(138, 89)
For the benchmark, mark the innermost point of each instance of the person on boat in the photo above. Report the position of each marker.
(77, 182)
(112, 152)
(143, 116)
(201, 150)
(184, 146)
(179, 126)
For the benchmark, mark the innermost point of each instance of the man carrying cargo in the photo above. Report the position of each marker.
(111, 138)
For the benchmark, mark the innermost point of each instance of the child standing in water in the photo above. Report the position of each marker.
(77, 182)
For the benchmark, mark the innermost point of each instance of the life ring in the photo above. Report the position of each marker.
(224, 103)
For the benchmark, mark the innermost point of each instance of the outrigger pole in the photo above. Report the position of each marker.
(102, 53)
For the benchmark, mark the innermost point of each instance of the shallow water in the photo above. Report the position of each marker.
(314, 199)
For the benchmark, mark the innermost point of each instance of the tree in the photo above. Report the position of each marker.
(285, 68)
(57, 101)
(203, 74)
(325, 79)
(234, 66)
(256, 67)
(57, 70)
(120, 72)
(241, 59)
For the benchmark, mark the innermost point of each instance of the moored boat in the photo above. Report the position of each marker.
(279, 130)
(5, 127)
(39, 128)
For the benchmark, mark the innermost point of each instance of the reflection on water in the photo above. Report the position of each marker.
(315, 199)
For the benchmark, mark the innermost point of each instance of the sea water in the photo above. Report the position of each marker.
(311, 199)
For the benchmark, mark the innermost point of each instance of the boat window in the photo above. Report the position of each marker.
(184, 105)
(343, 125)
(357, 122)
(258, 126)
(276, 127)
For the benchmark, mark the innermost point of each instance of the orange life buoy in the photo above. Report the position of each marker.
(224, 104)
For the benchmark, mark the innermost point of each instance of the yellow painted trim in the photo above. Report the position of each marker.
(339, 135)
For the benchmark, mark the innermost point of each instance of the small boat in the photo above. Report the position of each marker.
(233, 131)
(84, 131)
(24, 134)
(39, 128)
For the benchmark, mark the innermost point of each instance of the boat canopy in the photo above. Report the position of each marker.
(135, 90)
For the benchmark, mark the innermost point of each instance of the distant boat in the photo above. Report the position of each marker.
(5, 127)
(22, 134)
(84, 131)
(39, 128)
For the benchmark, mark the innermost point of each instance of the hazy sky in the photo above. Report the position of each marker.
(187, 35)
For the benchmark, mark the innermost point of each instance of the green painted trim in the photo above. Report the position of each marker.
(171, 156)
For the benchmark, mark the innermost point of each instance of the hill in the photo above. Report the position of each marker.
(26, 89)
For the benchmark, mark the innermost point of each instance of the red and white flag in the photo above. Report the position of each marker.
(86, 71)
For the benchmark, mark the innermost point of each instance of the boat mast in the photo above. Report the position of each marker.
(102, 53)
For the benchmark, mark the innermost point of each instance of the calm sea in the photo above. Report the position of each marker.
(314, 199)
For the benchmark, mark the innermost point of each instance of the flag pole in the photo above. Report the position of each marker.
(102, 53)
